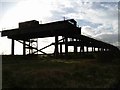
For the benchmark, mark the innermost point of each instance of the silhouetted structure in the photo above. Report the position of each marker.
(68, 29)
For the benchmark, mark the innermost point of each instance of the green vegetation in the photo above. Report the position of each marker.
(46, 72)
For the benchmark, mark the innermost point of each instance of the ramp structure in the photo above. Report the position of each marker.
(71, 36)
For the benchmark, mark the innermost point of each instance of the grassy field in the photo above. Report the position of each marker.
(46, 72)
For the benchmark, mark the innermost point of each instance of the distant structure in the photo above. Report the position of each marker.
(29, 31)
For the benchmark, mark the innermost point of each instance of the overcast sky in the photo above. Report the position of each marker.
(98, 18)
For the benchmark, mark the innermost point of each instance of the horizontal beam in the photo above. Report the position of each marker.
(42, 30)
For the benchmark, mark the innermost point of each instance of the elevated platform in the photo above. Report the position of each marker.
(67, 29)
(60, 28)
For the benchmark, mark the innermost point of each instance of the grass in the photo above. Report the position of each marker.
(45, 72)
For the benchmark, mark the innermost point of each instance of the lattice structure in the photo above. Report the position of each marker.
(71, 36)
(33, 46)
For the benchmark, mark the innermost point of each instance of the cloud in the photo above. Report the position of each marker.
(94, 12)
(101, 15)
(106, 34)
(88, 31)
(98, 19)
(106, 14)
(109, 38)
(26, 10)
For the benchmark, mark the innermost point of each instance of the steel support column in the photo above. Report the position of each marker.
(66, 46)
(60, 48)
(12, 47)
(102, 49)
(56, 46)
(87, 49)
(29, 48)
(82, 48)
(24, 51)
(94, 49)
(75, 49)
(98, 49)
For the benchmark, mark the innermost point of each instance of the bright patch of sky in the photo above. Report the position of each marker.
(98, 18)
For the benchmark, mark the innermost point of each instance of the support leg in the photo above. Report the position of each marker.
(29, 48)
(56, 46)
(60, 48)
(80, 49)
(98, 49)
(66, 46)
(75, 49)
(94, 49)
(87, 49)
(102, 49)
(12, 48)
(83, 49)
(24, 47)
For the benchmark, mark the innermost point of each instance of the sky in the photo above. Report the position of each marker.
(98, 18)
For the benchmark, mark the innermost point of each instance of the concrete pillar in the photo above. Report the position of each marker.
(12, 47)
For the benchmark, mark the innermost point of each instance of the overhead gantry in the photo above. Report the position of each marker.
(71, 36)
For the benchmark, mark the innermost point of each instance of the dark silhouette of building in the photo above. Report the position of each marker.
(71, 36)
